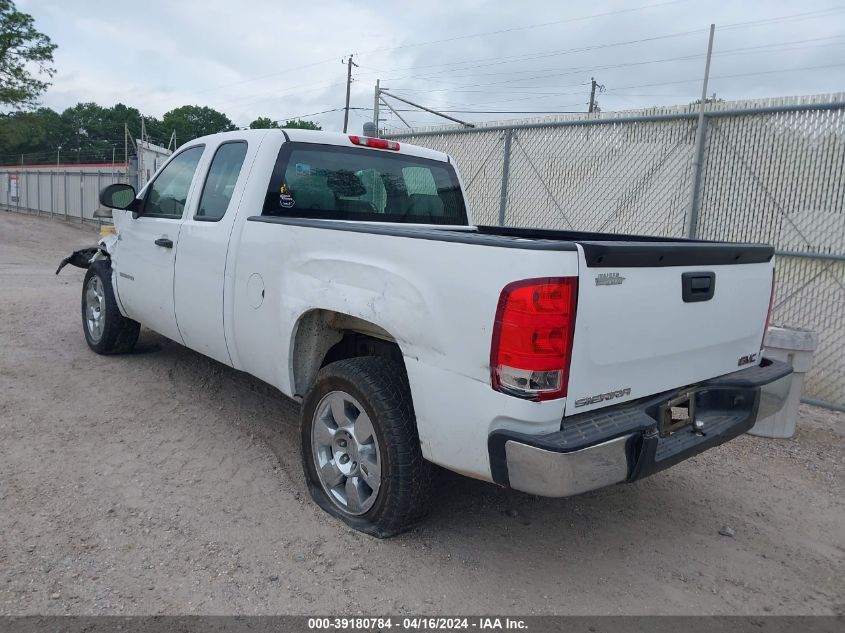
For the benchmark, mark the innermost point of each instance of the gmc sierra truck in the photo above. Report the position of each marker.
(346, 271)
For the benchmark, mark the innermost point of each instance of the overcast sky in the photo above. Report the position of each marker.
(283, 59)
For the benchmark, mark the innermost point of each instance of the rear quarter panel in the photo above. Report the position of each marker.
(436, 299)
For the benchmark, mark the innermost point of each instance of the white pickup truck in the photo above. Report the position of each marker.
(346, 271)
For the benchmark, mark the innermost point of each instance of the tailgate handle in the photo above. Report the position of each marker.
(698, 286)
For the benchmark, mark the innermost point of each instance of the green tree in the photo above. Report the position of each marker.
(25, 54)
(189, 122)
(90, 132)
(86, 132)
(31, 134)
(264, 123)
(301, 124)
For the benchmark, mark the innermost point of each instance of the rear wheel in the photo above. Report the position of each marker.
(360, 447)
(107, 331)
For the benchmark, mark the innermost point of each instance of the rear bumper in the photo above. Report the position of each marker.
(623, 443)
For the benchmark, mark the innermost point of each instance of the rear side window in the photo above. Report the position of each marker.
(221, 180)
(351, 183)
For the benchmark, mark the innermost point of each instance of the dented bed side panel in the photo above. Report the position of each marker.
(422, 294)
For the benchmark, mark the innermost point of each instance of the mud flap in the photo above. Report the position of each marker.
(81, 258)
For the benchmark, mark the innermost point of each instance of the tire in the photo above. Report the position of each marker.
(384, 440)
(106, 330)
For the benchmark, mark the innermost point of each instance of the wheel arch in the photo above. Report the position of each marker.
(322, 336)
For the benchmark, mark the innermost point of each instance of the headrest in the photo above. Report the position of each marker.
(345, 184)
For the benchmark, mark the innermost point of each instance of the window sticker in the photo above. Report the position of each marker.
(286, 200)
(302, 168)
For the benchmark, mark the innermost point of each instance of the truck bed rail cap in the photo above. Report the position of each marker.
(459, 234)
(660, 254)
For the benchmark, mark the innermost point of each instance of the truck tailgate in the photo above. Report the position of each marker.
(654, 317)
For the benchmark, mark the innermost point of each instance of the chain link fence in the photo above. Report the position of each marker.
(772, 171)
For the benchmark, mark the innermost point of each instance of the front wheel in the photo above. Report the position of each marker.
(360, 447)
(107, 331)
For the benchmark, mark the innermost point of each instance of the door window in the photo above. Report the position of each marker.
(168, 193)
(221, 180)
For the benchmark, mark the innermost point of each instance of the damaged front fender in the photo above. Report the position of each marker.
(84, 257)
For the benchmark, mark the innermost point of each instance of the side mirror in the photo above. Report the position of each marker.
(119, 196)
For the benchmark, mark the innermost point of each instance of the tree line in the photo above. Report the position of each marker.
(90, 133)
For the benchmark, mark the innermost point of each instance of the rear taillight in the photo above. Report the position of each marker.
(769, 313)
(377, 143)
(532, 338)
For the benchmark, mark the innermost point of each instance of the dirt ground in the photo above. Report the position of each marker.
(164, 482)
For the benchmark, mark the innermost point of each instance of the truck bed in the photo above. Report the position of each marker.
(602, 250)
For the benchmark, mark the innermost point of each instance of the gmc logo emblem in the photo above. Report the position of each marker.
(746, 360)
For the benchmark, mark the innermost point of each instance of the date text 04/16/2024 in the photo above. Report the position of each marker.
(417, 623)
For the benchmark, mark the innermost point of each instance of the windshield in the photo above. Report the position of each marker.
(350, 183)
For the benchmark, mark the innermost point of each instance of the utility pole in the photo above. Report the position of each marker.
(594, 84)
(140, 154)
(58, 151)
(126, 145)
(349, 65)
(376, 105)
(698, 154)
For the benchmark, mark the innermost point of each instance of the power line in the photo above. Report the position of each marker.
(466, 65)
(784, 18)
(532, 56)
(254, 98)
(431, 42)
(766, 48)
(518, 89)
(316, 86)
(260, 77)
(571, 105)
(528, 90)
(497, 60)
(754, 74)
(763, 48)
(302, 116)
(527, 27)
(680, 81)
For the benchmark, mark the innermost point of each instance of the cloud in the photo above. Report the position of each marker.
(283, 59)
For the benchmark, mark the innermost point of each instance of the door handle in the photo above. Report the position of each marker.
(698, 286)
(163, 241)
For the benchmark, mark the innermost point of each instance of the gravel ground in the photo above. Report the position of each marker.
(165, 483)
